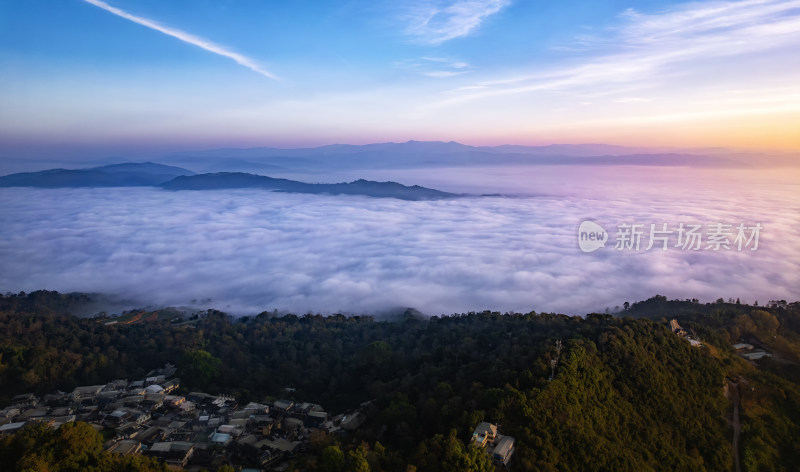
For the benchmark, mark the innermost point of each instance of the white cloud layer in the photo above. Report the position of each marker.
(250, 250)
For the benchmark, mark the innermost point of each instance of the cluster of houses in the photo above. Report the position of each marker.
(194, 431)
(499, 447)
(677, 329)
(749, 352)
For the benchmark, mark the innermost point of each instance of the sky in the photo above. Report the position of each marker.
(105, 78)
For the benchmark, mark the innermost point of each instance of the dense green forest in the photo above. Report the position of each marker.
(627, 393)
(74, 447)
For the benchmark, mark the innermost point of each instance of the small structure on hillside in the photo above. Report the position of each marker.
(749, 352)
(174, 453)
(502, 452)
(676, 328)
(126, 447)
(499, 447)
(755, 355)
(484, 434)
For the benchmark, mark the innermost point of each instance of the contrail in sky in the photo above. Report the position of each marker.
(185, 37)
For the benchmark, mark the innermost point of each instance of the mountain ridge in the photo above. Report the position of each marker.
(231, 180)
(427, 154)
(151, 175)
(130, 174)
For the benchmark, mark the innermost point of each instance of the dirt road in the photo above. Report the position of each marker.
(733, 391)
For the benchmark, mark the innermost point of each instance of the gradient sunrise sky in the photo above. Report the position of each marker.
(96, 78)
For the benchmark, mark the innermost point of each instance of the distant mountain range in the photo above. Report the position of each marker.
(420, 154)
(427, 154)
(149, 174)
(114, 175)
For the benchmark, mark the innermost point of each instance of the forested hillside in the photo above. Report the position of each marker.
(73, 447)
(627, 394)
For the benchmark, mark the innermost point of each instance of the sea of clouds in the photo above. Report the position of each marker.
(247, 251)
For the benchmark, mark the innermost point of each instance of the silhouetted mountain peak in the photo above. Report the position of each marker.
(227, 180)
(113, 175)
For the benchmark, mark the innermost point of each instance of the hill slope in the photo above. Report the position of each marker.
(627, 394)
(227, 180)
(115, 175)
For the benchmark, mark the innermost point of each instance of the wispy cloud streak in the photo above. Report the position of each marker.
(186, 37)
(649, 49)
(435, 23)
(438, 67)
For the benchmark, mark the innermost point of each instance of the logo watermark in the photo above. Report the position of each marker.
(591, 236)
(663, 236)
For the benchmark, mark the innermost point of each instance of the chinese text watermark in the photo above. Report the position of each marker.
(663, 236)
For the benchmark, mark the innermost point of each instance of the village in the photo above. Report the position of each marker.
(200, 431)
(194, 431)
(745, 350)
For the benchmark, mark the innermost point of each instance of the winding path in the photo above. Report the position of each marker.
(733, 389)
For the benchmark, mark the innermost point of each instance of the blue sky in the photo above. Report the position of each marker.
(98, 78)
